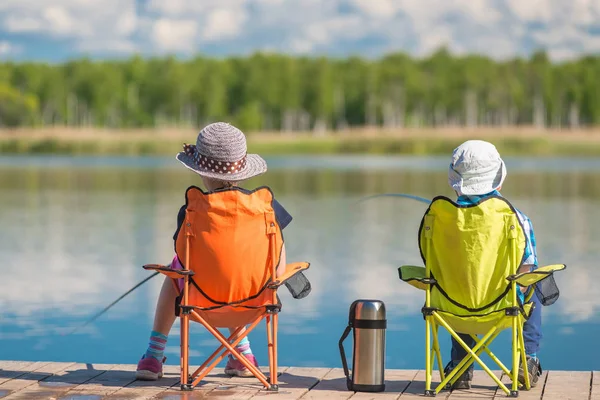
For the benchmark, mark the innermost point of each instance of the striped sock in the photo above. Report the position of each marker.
(156, 347)
(243, 347)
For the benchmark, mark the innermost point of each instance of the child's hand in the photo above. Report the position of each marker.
(523, 288)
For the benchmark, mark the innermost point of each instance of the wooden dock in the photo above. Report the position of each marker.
(75, 381)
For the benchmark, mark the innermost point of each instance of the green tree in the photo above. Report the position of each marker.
(16, 109)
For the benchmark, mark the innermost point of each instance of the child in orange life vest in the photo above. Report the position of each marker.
(220, 158)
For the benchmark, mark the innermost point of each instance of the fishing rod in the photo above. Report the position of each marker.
(408, 196)
(98, 314)
(105, 309)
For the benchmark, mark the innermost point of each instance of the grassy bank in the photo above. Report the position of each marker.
(415, 142)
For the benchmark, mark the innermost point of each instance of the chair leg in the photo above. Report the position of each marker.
(271, 321)
(471, 354)
(492, 355)
(220, 349)
(480, 347)
(230, 349)
(527, 385)
(270, 346)
(515, 359)
(436, 350)
(274, 384)
(428, 360)
(184, 379)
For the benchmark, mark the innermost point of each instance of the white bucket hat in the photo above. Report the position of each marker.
(476, 168)
(221, 153)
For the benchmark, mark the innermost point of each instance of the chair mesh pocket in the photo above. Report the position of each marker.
(547, 290)
(298, 285)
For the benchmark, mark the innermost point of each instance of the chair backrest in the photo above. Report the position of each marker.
(469, 251)
(229, 238)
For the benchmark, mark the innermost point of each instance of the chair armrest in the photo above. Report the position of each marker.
(294, 280)
(290, 270)
(170, 272)
(415, 276)
(530, 278)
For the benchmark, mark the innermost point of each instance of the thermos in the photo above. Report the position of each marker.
(367, 319)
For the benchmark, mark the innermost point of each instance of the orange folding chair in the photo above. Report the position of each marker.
(229, 246)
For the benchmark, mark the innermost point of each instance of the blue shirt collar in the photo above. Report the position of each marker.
(472, 199)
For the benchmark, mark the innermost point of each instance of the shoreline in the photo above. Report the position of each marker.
(509, 141)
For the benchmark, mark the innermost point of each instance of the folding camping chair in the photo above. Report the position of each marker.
(472, 255)
(230, 245)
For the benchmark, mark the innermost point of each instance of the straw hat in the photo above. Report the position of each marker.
(476, 168)
(221, 153)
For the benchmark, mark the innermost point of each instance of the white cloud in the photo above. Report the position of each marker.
(480, 11)
(438, 36)
(91, 25)
(178, 8)
(20, 24)
(173, 7)
(531, 10)
(172, 35)
(184, 26)
(222, 23)
(7, 48)
(380, 9)
(301, 46)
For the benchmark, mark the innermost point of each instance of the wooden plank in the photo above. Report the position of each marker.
(202, 391)
(595, 393)
(13, 369)
(12, 364)
(396, 382)
(417, 386)
(57, 385)
(173, 394)
(567, 385)
(242, 388)
(146, 389)
(296, 382)
(532, 394)
(332, 386)
(28, 379)
(482, 387)
(168, 386)
(103, 385)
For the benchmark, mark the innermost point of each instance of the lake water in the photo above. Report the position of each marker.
(74, 232)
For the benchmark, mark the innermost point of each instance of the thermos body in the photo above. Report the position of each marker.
(368, 321)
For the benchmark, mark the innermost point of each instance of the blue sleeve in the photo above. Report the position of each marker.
(530, 256)
(283, 217)
(180, 218)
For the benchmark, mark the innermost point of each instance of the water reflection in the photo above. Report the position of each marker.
(74, 234)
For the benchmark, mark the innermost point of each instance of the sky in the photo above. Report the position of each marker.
(55, 30)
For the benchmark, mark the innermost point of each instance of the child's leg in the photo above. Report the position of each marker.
(456, 356)
(235, 367)
(150, 366)
(458, 352)
(532, 329)
(244, 345)
(532, 335)
(164, 317)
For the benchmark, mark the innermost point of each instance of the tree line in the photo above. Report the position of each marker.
(278, 92)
